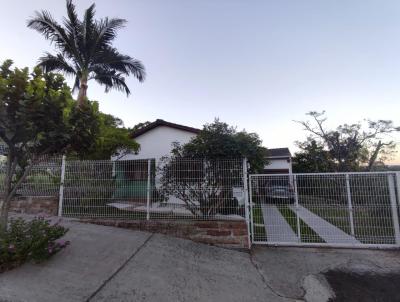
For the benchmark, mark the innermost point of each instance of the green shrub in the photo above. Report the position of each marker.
(35, 240)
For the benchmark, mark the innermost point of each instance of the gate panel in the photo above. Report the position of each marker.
(332, 209)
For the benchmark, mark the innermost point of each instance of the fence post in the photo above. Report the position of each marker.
(61, 192)
(350, 205)
(246, 200)
(296, 196)
(398, 187)
(251, 209)
(148, 189)
(393, 205)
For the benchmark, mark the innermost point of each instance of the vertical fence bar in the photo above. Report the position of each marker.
(148, 189)
(393, 205)
(246, 200)
(398, 187)
(61, 192)
(350, 205)
(296, 196)
(251, 208)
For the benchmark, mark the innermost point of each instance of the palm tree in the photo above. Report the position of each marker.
(84, 50)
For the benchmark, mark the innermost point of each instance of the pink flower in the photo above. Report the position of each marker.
(62, 243)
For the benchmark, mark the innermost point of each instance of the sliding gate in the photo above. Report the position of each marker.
(327, 209)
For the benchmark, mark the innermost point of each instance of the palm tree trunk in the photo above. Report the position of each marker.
(82, 92)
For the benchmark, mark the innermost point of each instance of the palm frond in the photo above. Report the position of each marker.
(72, 24)
(49, 63)
(88, 29)
(111, 80)
(110, 58)
(45, 24)
(84, 48)
(106, 31)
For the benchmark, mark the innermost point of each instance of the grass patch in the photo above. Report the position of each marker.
(258, 224)
(372, 223)
(308, 235)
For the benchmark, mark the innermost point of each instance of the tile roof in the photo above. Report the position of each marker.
(160, 122)
(279, 152)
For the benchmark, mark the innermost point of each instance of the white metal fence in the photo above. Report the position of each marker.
(142, 189)
(43, 179)
(333, 209)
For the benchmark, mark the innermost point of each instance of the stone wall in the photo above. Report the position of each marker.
(232, 233)
(36, 205)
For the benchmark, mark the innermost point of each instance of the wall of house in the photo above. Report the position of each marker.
(157, 142)
(279, 164)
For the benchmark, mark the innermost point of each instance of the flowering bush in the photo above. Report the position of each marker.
(35, 240)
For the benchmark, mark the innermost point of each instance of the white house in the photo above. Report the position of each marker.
(280, 161)
(157, 138)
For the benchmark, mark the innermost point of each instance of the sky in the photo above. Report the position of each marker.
(258, 65)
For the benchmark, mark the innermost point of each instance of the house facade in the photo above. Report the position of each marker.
(157, 138)
(279, 161)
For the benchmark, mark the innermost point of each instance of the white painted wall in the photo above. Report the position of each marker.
(278, 163)
(157, 142)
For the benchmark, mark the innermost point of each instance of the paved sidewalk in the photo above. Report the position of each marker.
(111, 264)
(95, 253)
(276, 226)
(326, 230)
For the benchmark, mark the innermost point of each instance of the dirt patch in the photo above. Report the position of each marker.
(350, 286)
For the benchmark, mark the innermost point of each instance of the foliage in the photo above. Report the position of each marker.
(37, 118)
(312, 158)
(203, 172)
(349, 147)
(204, 185)
(29, 240)
(219, 140)
(85, 50)
(139, 126)
(111, 138)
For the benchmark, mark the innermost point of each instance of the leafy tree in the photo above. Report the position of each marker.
(36, 120)
(219, 140)
(312, 158)
(112, 139)
(349, 147)
(85, 50)
(203, 172)
(139, 126)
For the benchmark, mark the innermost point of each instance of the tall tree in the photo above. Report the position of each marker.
(349, 147)
(112, 138)
(85, 50)
(312, 158)
(37, 118)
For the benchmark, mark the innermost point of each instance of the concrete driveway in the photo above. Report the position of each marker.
(111, 264)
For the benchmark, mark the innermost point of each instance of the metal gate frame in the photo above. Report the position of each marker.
(394, 191)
